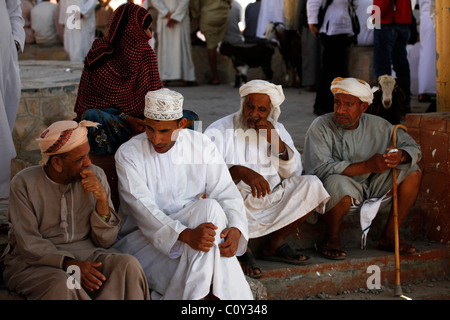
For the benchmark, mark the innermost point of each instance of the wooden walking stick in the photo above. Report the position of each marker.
(398, 287)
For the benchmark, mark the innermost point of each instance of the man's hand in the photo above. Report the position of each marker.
(266, 129)
(259, 186)
(229, 247)
(90, 183)
(392, 159)
(200, 238)
(377, 163)
(382, 162)
(313, 29)
(91, 279)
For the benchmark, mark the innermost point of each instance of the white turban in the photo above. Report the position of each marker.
(275, 93)
(163, 105)
(63, 136)
(354, 87)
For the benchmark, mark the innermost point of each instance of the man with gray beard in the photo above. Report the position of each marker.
(266, 167)
(352, 153)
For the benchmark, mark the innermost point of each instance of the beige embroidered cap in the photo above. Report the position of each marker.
(163, 105)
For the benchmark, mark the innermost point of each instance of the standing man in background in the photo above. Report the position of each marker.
(390, 41)
(213, 22)
(12, 42)
(174, 41)
(78, 18)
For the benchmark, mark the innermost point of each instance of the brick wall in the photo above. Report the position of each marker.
(432, 132)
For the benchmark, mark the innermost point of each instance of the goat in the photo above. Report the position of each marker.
(247, 55)
(290, 45)
(388, 101)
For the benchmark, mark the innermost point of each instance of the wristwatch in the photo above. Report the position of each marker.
(282, 154)
(19, 49)
(403, 158)
(107, 217)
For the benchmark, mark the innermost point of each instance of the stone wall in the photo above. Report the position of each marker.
(49, 90)
(432, 132)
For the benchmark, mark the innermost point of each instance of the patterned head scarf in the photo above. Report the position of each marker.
(63, 136)
(354, 87)
(121, 67)
(275, 93)
(164, 105)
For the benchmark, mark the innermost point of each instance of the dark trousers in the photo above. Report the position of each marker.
(334, 64)
(389, 49)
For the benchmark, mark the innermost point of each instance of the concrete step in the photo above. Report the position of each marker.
(333, 277)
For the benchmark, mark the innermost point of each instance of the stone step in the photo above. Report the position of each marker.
(334, 277)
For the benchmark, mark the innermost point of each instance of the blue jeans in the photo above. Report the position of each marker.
(390, 50)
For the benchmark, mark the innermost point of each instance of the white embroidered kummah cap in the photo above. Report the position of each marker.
(63, 136)
(354, 87)
(275, 93)
(163, 105)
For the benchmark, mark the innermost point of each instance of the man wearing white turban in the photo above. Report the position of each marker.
(266, 167)
(63, 223)
(348, 151)
(186, 245)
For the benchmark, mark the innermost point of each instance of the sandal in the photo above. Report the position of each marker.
(341, 254)
(247, 259)
(404, 248)
(288, 255)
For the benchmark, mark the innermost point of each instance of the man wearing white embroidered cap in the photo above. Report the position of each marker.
(187, 245)
(62, 216)
(349, 151)
(267, 168)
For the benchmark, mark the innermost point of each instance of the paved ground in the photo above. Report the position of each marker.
(434, 289)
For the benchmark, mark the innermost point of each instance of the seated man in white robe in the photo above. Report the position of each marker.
(266, 167)
(63, 222)
(349, 151)
(186, 245)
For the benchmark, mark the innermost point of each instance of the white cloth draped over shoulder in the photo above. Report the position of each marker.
(160, 197)
(292, 195)
(11, 24)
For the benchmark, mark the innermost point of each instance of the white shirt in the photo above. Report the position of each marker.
(337, 19)
(43, 23)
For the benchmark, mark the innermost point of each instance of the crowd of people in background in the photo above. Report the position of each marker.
(45, 23)
(323, 50)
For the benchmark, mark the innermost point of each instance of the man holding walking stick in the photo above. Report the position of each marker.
(352, 153)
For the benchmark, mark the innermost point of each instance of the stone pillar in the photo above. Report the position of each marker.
(432, 132)
(443, 54)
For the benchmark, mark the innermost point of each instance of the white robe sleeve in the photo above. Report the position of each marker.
(87, 9)
(161, 7)
(312, 11)
(181, 10)
(293, 166)
(17, 21)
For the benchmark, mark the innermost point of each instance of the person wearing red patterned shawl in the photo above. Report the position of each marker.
(118, 71)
